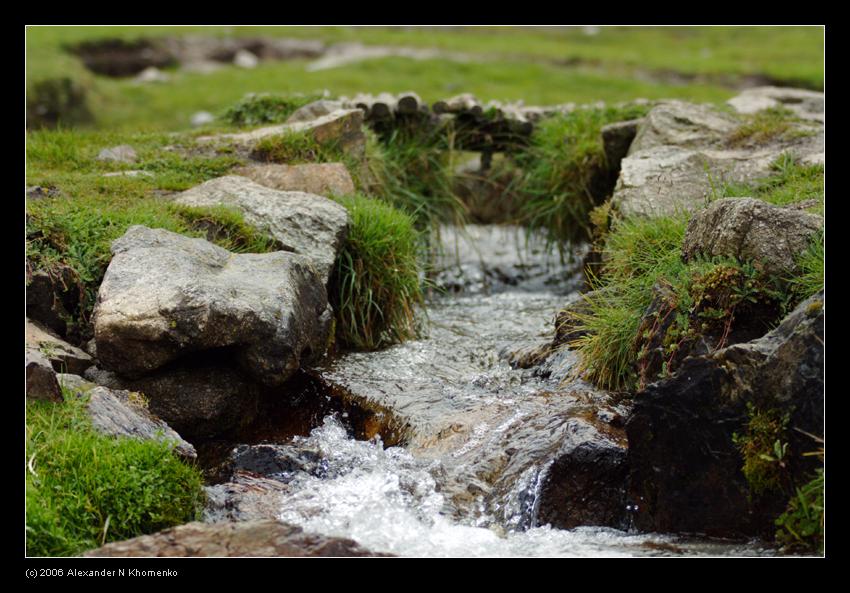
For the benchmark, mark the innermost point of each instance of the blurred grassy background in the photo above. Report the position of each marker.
(545, 65)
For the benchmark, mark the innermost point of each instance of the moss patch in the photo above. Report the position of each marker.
(84, 489)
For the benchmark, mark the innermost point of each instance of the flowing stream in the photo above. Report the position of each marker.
(479, 437)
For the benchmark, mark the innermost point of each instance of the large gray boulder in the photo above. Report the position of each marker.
(303, 223)
(323, 179)
(682, 154)
(749, 229)
(249, 538)
(165, 296)
(125, 414)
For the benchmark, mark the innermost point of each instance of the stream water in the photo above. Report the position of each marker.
(479, 436)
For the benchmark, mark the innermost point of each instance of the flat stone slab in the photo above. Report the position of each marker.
(323, 179)
(125, 414)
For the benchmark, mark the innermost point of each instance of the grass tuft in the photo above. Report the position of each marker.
(376, 286)
(767, 125)
(565, 168)
(84, 489)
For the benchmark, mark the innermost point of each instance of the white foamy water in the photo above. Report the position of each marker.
(388, 501)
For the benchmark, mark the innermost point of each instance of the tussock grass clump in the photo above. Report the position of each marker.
(264, 108)
(648, 308)
(84, 489)
(638, 252)
(413, 172)
(564, 168)
(790, 183)
(376, 287)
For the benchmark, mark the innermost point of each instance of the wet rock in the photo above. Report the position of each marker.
(681, 153)
(617, 138)
(62, 356)
(51, 296)
(749, 229)
(248, 538)
(200, 401)
(585, 484)
(118, 154)
(246, 497)
(314, 110)
(165, 295)
(125, 414)
(41, 378)
(323, 179)
(275, 461)
(303, 223)
(804, 103)
(684, 469)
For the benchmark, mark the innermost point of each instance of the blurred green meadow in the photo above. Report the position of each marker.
(543, 66)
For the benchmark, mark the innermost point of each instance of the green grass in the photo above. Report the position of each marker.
(77, 228)
(786, 53)
(801, 526)
(84, 489)
(790, 183)
(769, 125)
(257, 109)
(376, 286)
(810, 277)
(565, 159)
(638, 253)
(622, 348)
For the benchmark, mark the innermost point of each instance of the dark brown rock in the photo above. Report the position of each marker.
(41, 378)
(684, 468)
(585, 484)
(617, 138)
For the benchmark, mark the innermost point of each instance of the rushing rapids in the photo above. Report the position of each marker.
(472, 447)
